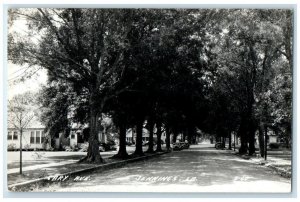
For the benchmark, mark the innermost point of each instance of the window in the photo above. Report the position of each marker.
(80, 138)
(32, 137)
(9, 136)
(15, 136)
(43, 137)
(38, 137)
(72, 136)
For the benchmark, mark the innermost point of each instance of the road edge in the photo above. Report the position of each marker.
(41, 182)
(264, 163)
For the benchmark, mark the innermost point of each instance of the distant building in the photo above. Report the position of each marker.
(33, 137)
(131, 135)
(272, 137)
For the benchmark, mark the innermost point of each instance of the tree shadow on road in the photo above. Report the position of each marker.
(187, 167)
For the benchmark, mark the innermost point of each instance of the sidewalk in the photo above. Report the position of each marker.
(32, 171)
(44, 170)
(75, 171)
(279, 160)
(36, 167)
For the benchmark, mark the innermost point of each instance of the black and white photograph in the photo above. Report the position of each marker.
(150, 100)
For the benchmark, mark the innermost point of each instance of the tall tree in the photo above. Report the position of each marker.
(21, 115)
(83, 47)
(250, 50)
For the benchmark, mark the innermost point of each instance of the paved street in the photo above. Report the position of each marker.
(198, 169)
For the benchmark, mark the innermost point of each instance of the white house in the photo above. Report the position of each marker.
(131, 135)
(33, 137)
(272, 137)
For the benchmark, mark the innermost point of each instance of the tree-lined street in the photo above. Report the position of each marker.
(161, 80)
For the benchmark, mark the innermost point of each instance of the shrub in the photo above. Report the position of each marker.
(83, 147)
(274, 145)
(26, 147)
(11, 147)
(49, 149)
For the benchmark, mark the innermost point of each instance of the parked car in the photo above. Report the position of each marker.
(68, 149)
(177, 146)
(185, 145)
(112, 144)
(129, 143)
(109, 146)
(219, 145)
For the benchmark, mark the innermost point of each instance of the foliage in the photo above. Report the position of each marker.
(21, 110)
(217, 70)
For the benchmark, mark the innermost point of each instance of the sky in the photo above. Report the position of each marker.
(15, 72)
(33, 84)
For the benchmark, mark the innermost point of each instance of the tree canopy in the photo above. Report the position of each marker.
(218, 70)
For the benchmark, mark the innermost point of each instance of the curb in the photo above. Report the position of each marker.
(41, 182)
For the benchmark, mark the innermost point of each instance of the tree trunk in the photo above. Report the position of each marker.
(175, 137)
(139, 139)
(230, 140)
(168, 144)
(234, 140)
(151, 127)
(93, 153)
(266, 142)
(122, 153)
(184, 134)
(190, 134)
(132, 133)
(288, 136)
(288, 33)
(223, 142)
(252, 131)
(158, 134)
(243, 135)
(244, 146)
(261, 139)
(251, 142)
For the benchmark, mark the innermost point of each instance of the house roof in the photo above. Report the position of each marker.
(34, 123)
